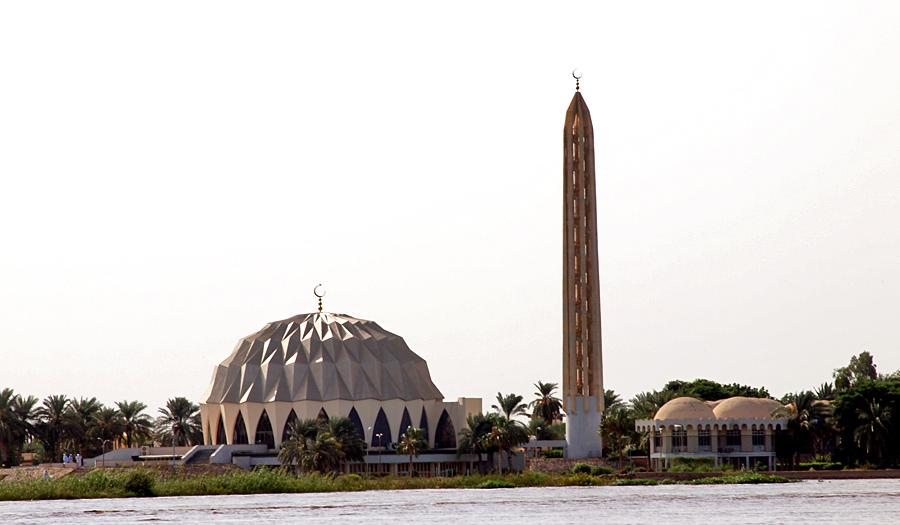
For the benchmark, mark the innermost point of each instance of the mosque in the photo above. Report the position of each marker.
(321, 365)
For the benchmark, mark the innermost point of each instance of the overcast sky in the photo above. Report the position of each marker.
(177, 174)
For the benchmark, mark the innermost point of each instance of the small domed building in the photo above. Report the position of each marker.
(322, 365)
(737, 430)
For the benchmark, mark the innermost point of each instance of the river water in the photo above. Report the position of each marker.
(838, 501)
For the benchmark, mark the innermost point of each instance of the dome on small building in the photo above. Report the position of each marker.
(685, 408)
(746, 408)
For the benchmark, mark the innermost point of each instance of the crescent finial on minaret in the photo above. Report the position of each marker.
(577, 76)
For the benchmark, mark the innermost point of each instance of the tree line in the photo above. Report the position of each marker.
(59, 424)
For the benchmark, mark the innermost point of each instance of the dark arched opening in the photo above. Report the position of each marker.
(286, 433)
(423, 423)
(264, 434)
(381, 427)
(221, 437)
(405, 423)
(354, 418)
(322, 418)
(445, 434)
(240, 431)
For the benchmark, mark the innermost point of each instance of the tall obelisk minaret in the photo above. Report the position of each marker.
(582, 357)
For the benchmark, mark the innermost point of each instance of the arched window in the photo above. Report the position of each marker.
(286, 433)
(354, 418)
(423, 423)
(264, 434)
(445, 435)
(405, 422)
(381, 427)
(240, 431)
(221, 437)
(322, 417)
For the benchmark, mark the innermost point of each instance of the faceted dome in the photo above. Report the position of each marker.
(685, 408)
(746, 408)
(321, 357)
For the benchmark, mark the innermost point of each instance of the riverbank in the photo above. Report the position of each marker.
(181, 481)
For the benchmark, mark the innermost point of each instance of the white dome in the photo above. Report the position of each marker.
(685, 408)
(321, 357)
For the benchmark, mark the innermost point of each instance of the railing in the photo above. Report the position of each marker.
(759, 448)
(732, 448)
(705, 448)
(678, 449)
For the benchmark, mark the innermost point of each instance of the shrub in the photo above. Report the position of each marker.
(600, 471)
(552, 454)
(626, 481)
(693, 464)
(495, 484)
(582, 478)
(581, 468)
(139, 483)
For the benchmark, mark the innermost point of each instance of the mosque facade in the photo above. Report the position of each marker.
(321, 365)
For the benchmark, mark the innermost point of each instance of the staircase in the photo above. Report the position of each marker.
(201, 457)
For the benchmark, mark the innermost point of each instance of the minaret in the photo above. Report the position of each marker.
(582, 386)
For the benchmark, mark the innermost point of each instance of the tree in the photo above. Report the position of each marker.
(615, 427)
(542, 430)
(647, 404)
(179, 422)
(825, 392)
(353, 447)
(707, 390)
(24, 409)
(56, 425)
(137, 426)
(853, 409)
(861, 368)
(412, 443)
(12, 427)
(83, 414)
(546, 406)
(874, 432)
(108, 425)
(472, 437)
(510, 405)
(807, 423)
(611, 399)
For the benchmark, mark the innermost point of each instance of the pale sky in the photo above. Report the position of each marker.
(177, 174)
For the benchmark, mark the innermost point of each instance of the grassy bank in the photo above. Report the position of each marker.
(143, 482)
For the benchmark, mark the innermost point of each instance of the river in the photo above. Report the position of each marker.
(837, 501)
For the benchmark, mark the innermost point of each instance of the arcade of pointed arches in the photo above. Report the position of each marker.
(443, 438)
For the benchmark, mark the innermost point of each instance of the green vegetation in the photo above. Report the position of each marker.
(552, 454)
(749, 477)
(495, 484)
(144, 482)
(321, 446)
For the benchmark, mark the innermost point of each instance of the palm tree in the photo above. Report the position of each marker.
(24, 408)
(11, 425)
(825, 392)
(874, 431)
(137, 426)
(542, 430)
(83, 413)
(180, 421)
(55, 425)
(319, 453)
(807, 419)
(510, 405)
(646, 404)
(503, 436)
(615, 427)
(353, 447)
(412, 443)
(546, 406)
(108, 425)
(472, 437)
(611, 399)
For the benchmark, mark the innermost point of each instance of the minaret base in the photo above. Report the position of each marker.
(583, 427)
